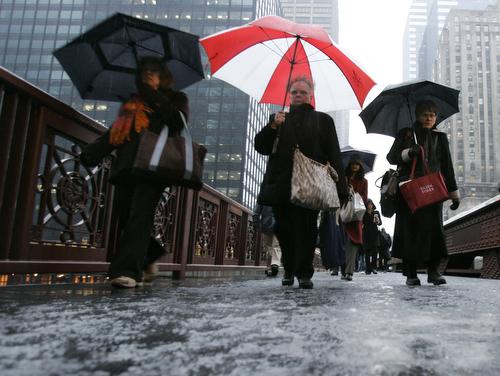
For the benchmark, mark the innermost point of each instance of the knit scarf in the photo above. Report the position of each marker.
(132, 113)
(425, 139)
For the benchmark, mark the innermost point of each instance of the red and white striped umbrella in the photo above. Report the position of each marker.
(261, 57)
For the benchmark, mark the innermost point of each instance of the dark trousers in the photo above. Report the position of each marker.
(383, 257)
(136, 204)
(297, 230)
(371, 259)
(410, 267)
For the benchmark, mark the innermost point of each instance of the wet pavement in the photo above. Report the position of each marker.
(374, 325)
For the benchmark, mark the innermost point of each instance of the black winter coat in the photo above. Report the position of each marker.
(419, 237)
(371, 222)
(165, 113)
(316, 136)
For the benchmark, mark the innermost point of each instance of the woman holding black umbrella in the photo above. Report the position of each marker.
(156, 105)
(419, 237)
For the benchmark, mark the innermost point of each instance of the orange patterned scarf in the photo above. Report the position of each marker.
(132, 112)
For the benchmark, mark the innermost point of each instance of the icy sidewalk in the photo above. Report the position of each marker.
(374, 325)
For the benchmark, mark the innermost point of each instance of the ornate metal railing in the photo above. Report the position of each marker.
(57, 215)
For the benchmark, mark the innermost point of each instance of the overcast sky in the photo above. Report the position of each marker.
(371, 31)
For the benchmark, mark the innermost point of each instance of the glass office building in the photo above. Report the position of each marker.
(222, 117)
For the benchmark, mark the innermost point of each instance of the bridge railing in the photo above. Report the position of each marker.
(57, 215)
(475, 233)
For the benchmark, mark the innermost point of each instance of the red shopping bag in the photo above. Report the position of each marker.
(425, 190)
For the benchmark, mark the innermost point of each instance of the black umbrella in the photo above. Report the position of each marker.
(102, 62)
(367, 158)
(394, 107)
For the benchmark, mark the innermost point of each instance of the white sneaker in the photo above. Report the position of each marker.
(124, 282)
(151, 273)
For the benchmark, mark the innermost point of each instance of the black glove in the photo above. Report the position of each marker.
(455, 204)
(343, 200)
(414, 151)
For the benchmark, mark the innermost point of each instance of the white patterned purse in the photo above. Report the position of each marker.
(313, 183)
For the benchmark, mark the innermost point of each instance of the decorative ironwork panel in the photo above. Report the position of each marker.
(71, 200)
(164, 222)
(233, 236)
(251, 241)
(206, 228)
(475, 233)
(491, 265)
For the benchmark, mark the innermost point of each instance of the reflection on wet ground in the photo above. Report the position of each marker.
(374, 325)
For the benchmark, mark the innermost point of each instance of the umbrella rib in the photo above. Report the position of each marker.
(146, 48)
(133, 42)
(317, 52)
(273, 42)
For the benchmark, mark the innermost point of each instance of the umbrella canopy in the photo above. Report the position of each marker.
(394, 108)
(366, 157)
(102, 62)
(261, 57)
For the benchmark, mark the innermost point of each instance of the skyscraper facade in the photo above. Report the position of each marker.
(426, 19)
(324, 13)
(468, 58)
(423, 15)
(222, 117)
(438, 13)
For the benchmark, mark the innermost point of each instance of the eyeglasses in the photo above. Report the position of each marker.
(295, 92)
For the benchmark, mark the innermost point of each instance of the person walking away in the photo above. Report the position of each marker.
(419, 238)
(154, 106)
(332, 242)
(355, 176)
(270, 242)
(314, 132)
(371, 241)
(384, 253)
(360, 265)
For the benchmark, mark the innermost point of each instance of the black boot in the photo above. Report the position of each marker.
(305, 283)
(411, 276)
(288, 279)
(434, 277)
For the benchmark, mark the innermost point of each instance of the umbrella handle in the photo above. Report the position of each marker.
(411, 117)
(292, 63)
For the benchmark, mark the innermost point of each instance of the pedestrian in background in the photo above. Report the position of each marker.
(419, 237)
(314, 132)
(332, 242)
(371, 241)
(155, 106)
(355, 176)
(384, 250)
(266, 220)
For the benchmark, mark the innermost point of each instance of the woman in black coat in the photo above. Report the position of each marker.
(314, 132)
(135, 199)
(371, 241)
(419, 237)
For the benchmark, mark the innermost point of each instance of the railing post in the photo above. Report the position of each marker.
(8, 111)
(243, 239)
(221, 233)
(184, 239)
